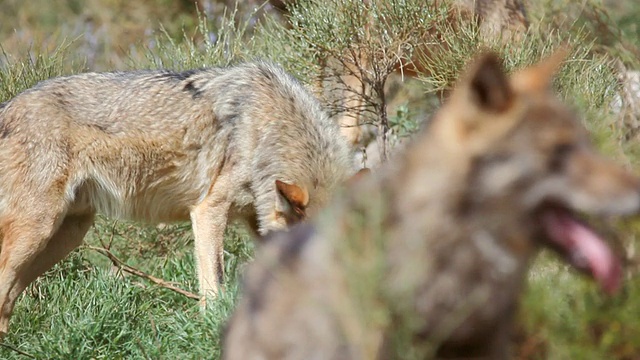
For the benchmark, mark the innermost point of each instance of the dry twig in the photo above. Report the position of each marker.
(133, 271)
(13, 348)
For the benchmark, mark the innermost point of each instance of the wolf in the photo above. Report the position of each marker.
(247, 142)
(426, 257)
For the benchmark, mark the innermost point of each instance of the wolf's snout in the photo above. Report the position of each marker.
(625, 204)
(636, 200)
(628, 203)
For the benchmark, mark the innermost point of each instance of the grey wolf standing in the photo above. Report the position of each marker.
(428, 258)
(211, 145)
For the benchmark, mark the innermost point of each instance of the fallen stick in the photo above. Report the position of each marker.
(133, 271)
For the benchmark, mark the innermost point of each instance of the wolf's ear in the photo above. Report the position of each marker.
(291, 199)
(488, 84)
(538, 78)
(481, 106)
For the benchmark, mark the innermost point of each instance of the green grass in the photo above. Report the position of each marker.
(567, 317)
(85, 308)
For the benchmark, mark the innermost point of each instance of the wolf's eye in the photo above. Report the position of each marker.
(560, 153)
(562, 150)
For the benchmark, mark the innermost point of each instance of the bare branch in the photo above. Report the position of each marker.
(13, 348)
(133, 271)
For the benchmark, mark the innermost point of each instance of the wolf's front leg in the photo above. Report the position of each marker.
(209, 220)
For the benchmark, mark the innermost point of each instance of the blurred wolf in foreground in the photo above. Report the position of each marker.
(428, 258)
(211, 145)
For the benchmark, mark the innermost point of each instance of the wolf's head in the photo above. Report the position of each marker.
(527, 152)
(293, 203)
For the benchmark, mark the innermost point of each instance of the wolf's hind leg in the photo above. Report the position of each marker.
(30, 249)
(68, 237)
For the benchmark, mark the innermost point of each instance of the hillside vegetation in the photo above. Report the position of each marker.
(88, 307)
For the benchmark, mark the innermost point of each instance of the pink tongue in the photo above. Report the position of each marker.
(585, 249)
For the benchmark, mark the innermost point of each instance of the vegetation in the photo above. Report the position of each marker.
(87, 307)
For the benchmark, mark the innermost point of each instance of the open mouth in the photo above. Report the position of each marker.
(581, 246)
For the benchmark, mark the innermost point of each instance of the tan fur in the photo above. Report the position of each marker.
(427, 258)
(208, 145)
